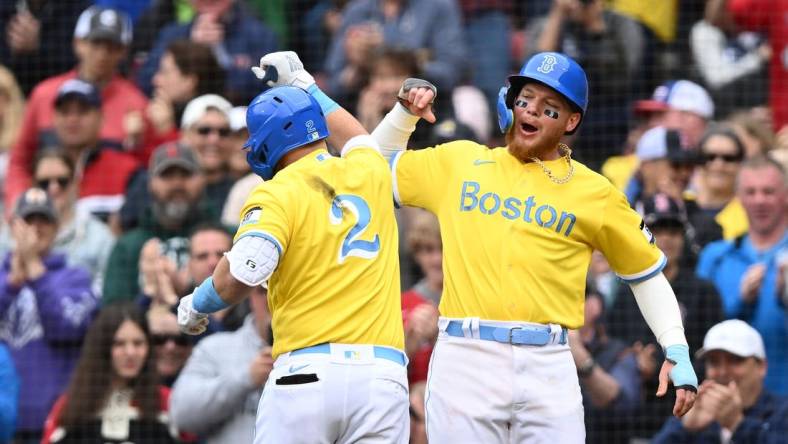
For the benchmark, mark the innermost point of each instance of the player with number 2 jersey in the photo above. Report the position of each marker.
(321, 232)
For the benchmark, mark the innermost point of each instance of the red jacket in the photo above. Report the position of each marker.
(118, 97)
(771, 18)
(102, 188)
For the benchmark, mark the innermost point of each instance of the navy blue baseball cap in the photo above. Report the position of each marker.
(36, 201)
(80, 90)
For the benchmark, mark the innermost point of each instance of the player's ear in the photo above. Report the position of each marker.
(572, 122)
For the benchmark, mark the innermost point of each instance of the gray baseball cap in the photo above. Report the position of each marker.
(99, 23)
(173, 155)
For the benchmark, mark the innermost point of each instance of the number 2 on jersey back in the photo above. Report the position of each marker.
(352, 245)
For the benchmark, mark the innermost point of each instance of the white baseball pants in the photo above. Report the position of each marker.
(481, 391)
(345, 395)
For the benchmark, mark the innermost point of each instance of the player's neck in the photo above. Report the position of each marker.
(298, 153)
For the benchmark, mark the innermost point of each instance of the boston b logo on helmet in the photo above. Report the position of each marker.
(279, 121)
(552, 69)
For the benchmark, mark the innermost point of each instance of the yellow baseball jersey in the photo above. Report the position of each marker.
(332, 220)
(517, 246)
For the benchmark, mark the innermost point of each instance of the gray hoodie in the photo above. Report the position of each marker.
(213, 396)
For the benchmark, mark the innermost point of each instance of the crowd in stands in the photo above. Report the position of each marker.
(122, 177)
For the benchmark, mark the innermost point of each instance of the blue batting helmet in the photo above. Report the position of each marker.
(279, 121)
(551, 69)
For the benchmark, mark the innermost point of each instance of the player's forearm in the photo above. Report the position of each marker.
(394, 131)
(342, 126)
(231, 290)
(660, 309)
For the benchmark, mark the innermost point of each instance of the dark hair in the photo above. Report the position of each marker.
(198, 60)
(404, 60)
(209, 226)
(725, 131)
(90, 384)
(54, 153)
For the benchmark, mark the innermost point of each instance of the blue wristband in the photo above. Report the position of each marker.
(682, 374)
(327, 104)
(206, 299)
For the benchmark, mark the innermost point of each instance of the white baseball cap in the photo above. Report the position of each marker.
(652, 145)
(682, 95)
(237, 117)
(198, 106)
(733, 336)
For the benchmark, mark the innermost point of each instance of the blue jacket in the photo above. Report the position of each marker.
(724, 263)
(245, 41)
(9, 395)
(766, 422)
(43, 324)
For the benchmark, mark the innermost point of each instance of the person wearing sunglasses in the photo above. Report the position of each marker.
(170, 347)
(721, 154)
(205, 127)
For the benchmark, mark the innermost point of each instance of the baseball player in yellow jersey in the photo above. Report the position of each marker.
(321, 231)
(519, 224)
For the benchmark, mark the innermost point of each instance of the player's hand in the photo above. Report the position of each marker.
(191, 321)
(417, 96)
(283, 68)
(678, 368)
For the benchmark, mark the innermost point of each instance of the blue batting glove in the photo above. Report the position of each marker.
(682, 374)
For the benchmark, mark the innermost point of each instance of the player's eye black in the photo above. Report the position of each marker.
(728, 158)
(44, 182)
(206, 130)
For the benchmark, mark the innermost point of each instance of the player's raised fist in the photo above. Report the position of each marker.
(283, 68)
(418, 95)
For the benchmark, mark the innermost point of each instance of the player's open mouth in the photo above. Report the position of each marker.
(528, 128)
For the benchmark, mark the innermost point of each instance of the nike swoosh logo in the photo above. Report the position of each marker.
(478, 162)
(294, 368)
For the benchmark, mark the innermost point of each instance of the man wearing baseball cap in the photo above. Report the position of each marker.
(104, 171)
(46, 306)
(176, 207)
(732, 405)
(100, 41)
(682, 105)
(206, 130)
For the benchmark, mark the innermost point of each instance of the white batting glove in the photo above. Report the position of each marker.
(283, 68)
(191, 321)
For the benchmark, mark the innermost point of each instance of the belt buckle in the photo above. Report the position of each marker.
(510, 334)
